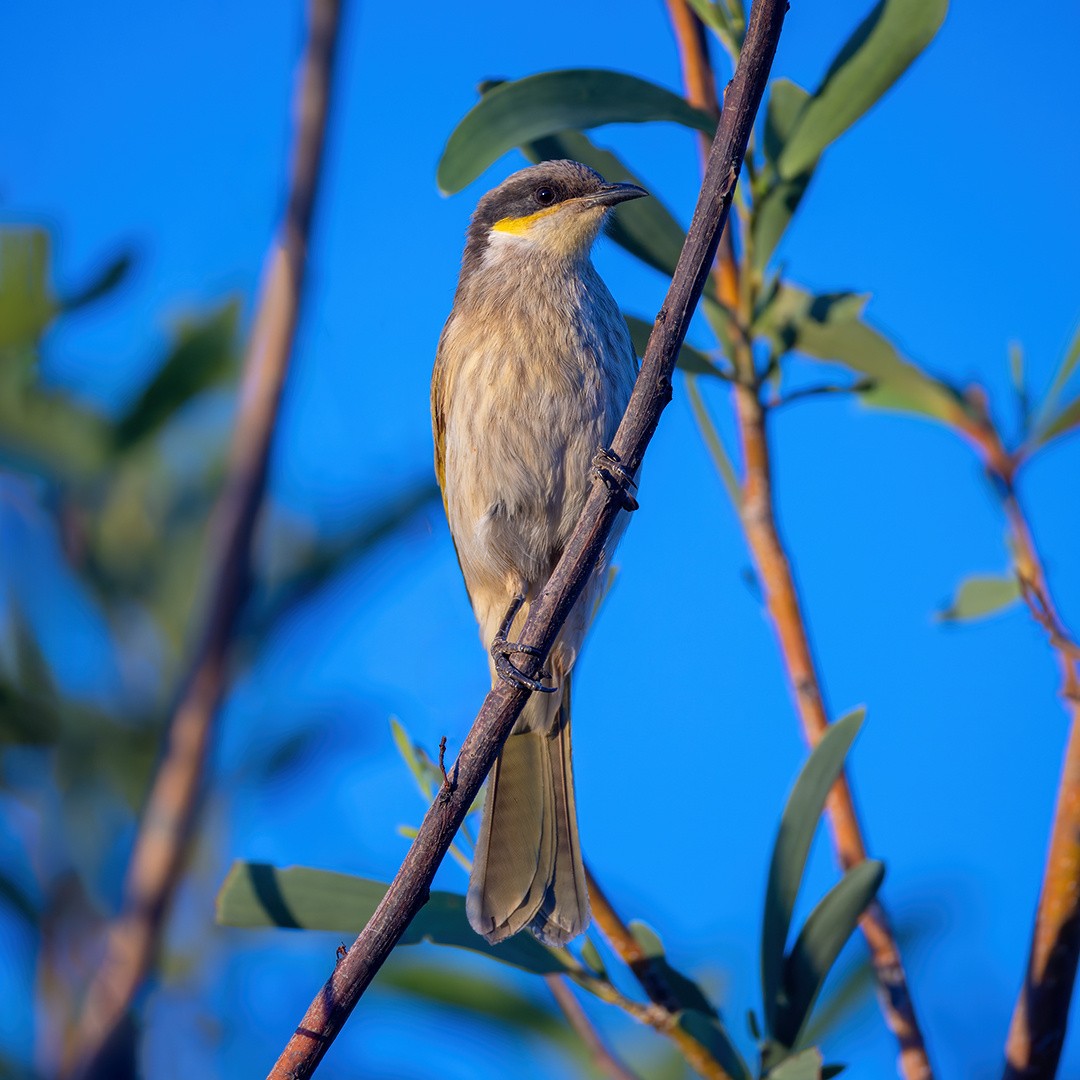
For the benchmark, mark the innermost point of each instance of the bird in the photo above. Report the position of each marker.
(533, 372)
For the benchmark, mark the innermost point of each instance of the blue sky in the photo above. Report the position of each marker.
(954, 203)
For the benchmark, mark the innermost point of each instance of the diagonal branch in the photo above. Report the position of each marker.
(1037, 1032)
(168, 821)
(652, 391)
(604, 1060)
(758, 516)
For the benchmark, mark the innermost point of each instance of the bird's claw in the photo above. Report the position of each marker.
(616, 479)
(502, 650)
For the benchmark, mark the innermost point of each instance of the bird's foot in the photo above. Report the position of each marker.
(502, 649)
(609, 469)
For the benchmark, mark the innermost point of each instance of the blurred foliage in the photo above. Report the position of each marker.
(110, 506)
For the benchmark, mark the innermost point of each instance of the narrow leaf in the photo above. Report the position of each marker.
(827, 327)
(714, 444)
(204, 354)
(1062, 424)
(879, 51)
(981, 596)
(797, 827)
(690, 360)
(818, 945)
(711, 1034)
(297, 897)
(27, 305)
(110, 277)
(407, 749)
(776, 204)
(519, 111)
(802, 1066)
(1061, 377)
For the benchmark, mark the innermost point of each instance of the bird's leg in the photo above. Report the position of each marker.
(609, 469)
(502, 649)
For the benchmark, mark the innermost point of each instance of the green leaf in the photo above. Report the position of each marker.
(827, 327)
(685, 991)
(517, 112)
(818, 945)
(776, 204)
(690, 360)
(803, 1066)
(644, 227)
(1061, 377)
(711, 1034)
(797, 827)
(27, 305)
(204, 355)
(980, 596)
(714, 444)
(408, 750)
(101, 284)
(1062, 424)
(479, 995)
(298, 897)
(873, 58)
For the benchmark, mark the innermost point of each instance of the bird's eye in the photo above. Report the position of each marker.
(545, 196)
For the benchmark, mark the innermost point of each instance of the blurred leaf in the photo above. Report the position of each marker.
(330, 556)
(411, 832)
(27, 305)
(407, 749)
(204, 355)
(981, 596)
(798, 824)
(644, 227)
(824, 934)
(710, 1032)
(692, 361)
(802, 1066)
(522, 110)
(873, 58)
(828, 327)
(592, 959)
(1062, 424)
(714, 444)
(1061, 377)
(29, 711)
(685, 991)
(16, 897)
(260, 895)
(775, 206)
(478, 995)
(101, 284)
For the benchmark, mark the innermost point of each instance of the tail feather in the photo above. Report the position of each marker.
(528, 869)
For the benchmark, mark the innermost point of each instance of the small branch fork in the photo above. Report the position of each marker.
(409, 890)
(168, 820)
(781, 594)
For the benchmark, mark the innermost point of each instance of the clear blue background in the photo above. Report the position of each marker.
(954, 203)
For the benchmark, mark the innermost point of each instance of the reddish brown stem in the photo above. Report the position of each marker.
(409, 890)
(167, 823)
(782, 599)
(1037, 1032)
(604, 1060)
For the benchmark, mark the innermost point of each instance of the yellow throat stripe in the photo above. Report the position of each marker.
(519, 226)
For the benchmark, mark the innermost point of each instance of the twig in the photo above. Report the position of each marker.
(1037, 1032)
(576, 1017)
(757, 512)
(168, 820)
(409, 889)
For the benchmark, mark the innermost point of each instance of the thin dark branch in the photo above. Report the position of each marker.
(168, 821)
(409, 889)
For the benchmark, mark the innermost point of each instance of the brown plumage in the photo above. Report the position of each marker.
(533, 372)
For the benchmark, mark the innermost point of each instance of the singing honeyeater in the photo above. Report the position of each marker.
(533, 373)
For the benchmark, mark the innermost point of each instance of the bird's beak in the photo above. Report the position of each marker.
(612, 194)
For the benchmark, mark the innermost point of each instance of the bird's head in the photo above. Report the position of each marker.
(556, 208)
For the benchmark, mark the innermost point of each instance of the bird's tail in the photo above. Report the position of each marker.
(528, 870)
